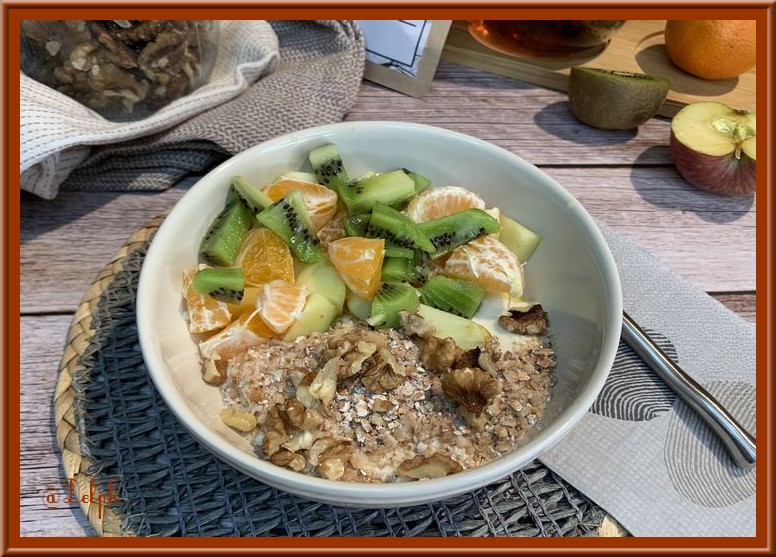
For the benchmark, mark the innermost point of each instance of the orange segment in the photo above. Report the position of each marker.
(206, 314)
(320, 201)
(245, 332)
(359, 261)
(265, 257)
(488, 262)
(433, 203)
(281, 303)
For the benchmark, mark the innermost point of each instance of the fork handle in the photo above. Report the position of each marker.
(740, 444)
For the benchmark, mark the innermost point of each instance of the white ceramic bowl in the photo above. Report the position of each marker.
(572, 274)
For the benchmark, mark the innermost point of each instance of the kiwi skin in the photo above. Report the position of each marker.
(614, 100)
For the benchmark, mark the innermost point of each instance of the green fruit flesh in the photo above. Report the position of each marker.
(249, 195)
(299, 177)
(288, 218)
(460, 297)
(355, 225)
(447, 233)
(358, 306)
(421, 182)
(397, 269)
(317, 316)
(328, 167)
(226, 285)
(466, 333)
(520, 240)
(388, 188)
(390, 299)
(323, 278)
(397, 229)
(614, 100)
(221, 243)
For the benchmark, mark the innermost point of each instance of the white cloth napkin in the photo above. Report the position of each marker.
(640, 452)
(57, 132)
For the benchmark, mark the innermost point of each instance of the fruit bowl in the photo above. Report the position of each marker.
(572, 273)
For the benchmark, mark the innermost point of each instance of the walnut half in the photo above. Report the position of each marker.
(532, 321)
(382, 372)
(435, 466)
(471, 388)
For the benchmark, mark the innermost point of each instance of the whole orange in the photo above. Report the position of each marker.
(712, 49)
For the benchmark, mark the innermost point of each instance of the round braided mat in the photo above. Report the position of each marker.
(114, 430)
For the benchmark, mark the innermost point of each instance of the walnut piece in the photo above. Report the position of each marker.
(324, 386)
(532, 321)
(415, 324)
(471, 388)
(242, 421)
(423, 467)
(276, 434)
(332, 469)
(438, 354)
(211, 373)
(468, 358)
(382, 372)
(284, 457)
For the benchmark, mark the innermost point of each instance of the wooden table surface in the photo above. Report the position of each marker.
(623, 178)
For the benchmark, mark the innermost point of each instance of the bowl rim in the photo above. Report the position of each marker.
(395, 493)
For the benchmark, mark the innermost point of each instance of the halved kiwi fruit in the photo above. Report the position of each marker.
(226, 285)
(390, 188)
(457, 296)
(289, 219)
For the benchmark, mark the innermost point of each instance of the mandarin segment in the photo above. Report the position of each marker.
(320, 201)
(359, 262)
(440, 202)
(489, 263)
(265, 257)
(205, 313)
(281, 303)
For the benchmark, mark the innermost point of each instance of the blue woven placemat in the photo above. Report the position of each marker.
(113, 428)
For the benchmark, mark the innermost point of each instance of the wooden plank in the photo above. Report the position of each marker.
(637, 47)
(526, 119)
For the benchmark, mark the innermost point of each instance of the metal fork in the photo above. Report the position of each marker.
(740, 444)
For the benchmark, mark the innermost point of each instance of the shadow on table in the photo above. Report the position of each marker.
(556, 119)
(664, 187)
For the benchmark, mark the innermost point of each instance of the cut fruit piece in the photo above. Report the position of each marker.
(358, 261)
(248, 302)
(389, 300)
(328, 167)
(355, 225)
(714, 147)
(397, 269)
(614, 100)
(442, 201)
(205, 314)
(421, 182)
(288, 219)
(243, 333)
(299, 176)
(280, 304)
(388, 188)
(265, 257)
(520, 240)
(249, 195)
(334, 230)
(458, 296)
(225, 285)
(225, 236)
(467, 334)
(447, 233)
(396, 228)
(489, 263)
(323, 278)
(358, 306)
(320, 201)
(316, 317)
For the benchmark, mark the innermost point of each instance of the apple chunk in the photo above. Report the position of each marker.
(714, 147)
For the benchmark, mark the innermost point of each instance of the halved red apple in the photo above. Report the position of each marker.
(714, 147)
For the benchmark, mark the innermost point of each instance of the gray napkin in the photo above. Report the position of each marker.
(640, 452)
(315, 81)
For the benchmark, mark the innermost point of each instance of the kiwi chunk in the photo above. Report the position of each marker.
(226, 285)
(397, 269)
(221, 243)
(421, 182)
(355, 225)
(447, 233)
(289, 219)
(358, 225)
(390, 299)
(328, 167)
(249, 195)
(389, 188)
(397, 229)
(457, 296)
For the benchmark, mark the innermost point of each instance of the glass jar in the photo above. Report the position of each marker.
(544, 37)
(122, 69)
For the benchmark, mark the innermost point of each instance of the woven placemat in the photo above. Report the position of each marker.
(116, 433)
